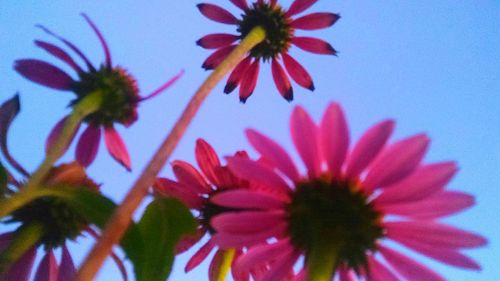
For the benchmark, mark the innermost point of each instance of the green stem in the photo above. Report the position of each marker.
(118, 223)
(224, 265)
(322, 261)
(24, 239)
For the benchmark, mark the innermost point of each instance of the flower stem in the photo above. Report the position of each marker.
(119, 221)
(224, 265)
(322, 260)
(23, 240)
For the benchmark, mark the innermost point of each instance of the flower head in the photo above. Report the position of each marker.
(347, 206)
(280, 26)
(120, 95)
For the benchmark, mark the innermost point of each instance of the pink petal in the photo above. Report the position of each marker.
(346, 275)
(179, 191)
(314, 45)
(217, 40)
(187, 241)
(315, 21)
(47, 270)
(396, 162)
(228, 240)
(217, 14)
(281, 80)
(249, 81)
(101, 39)
(298, 6)
(188, 175)
(379, 272)
(199, 256)
(247, 199)
(88, 145)
(242, 4)
(116, 147)
(207, 160)
(21, 269)
(217, 57)
(335, 138)
(274, 153)
(298, 73)
(305, 138)
(253, 171)
(262, 254)
(59, 53)
(163, 87)
(236, 75)
(281, 267)
(44, 73)
(434, 234)
(424, 181)
(213, 269)
(67, 269)
(368, 147)
(246, 222)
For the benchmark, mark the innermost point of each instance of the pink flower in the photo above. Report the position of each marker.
(119, 89)
(350, 203)
(280, 26)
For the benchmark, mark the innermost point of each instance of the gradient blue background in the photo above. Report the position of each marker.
(431, 65)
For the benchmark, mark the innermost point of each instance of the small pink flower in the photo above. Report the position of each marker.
(119, 89)
(351, 202)
(280, 26)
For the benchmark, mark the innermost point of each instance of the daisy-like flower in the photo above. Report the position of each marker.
(280, 26)
(347, 207)
(194, 189)
(119, 92)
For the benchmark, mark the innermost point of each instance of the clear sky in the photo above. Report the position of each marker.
(431, 65)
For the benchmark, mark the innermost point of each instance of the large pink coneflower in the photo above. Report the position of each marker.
(347, 206)
(280, 26)
(118, 88)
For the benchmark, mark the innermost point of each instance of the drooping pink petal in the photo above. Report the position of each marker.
(67, 269)
(21, 269)
(305, 136)
(163, 87)
(116, 147)
(101, 39)
(298, 73)
(217, 13)
(281, 266)
(247, 222)
(179, 191)
(188, 175)
(217, 57)
(314, 45)
(47, 270)
(241, 198)
(207, 160)
(262, 254)
(228, 240)
(436, 206)
(298, 6)
(200, 255)
(423, 182)
(253, 171)
(56, 132)
(273, 152)
(242, 4)
(281, 80)
(59, 53)
(249, 81)
(315, 21)
(368, 147)
(88, 145)
(237, 74)
(217, 40)
(237, 274)
(334, 138)
(346, 275)
(396, 162)
(215, 263)
(434, 234)
(44, 74)
(187, 241)
(379, 272)
(8, 111)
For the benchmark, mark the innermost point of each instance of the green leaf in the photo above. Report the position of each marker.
(164, 222)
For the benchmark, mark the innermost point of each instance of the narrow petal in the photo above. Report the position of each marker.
(335, 138)
(396, 162)
(21, 269)
(315, 21)
(247, 222)
(56, 132)
(242, 4)
(179, 191)
(105, 47)
(88, 145)
(164, 86)
(298, 6)
(47, 270)
(273, 152)
(368, 147)
(305, 138)
(314, 45)
(249, 81)
(379, 272)
(217, 40)
(262, 254)
(215, 263)
(281, 80)
(116, 147)
(298, 73)
(227, 240)
(346, 275)
(217, 13)
(199, 256)
(44, 73)
(59, 53)
(247, 199)
(217, 57)
(237, 74)
(188, 175)
(281, 267)
(67, 269)
(187, 241)
(207, 160)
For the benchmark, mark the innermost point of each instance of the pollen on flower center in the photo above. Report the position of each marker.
(120, 95)
(336, 211)
(276, 24)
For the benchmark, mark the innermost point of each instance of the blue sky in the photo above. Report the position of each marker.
(431, 65)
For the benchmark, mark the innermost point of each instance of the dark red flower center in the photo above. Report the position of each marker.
(119, 91)
(337, 212)
(277, 26)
